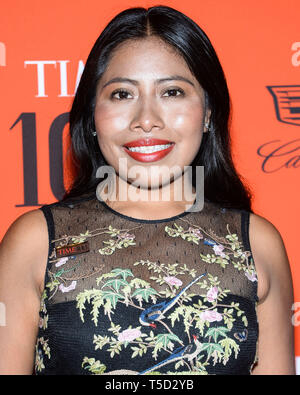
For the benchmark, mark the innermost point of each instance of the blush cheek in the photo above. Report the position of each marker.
(185, 117)
(110, 123)
(187, 125)
(187, 128)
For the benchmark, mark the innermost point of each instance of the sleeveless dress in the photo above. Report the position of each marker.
(129, 296)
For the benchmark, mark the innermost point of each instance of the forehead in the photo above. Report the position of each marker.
(146, 58)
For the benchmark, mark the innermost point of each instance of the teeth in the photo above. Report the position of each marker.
(149, 149)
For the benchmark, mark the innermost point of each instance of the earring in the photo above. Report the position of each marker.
(94, 133)
(208, 126)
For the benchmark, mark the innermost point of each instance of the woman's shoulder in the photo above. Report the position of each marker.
(24, 247)
(24, 228)
(269, 254)
(266, 238)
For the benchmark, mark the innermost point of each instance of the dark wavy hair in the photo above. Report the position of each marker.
(222, 184)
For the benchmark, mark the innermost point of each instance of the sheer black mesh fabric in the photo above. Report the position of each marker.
(166, 254)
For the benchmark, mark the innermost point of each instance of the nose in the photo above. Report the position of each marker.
(147, 116)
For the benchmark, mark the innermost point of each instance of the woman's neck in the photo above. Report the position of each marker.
(153, 203)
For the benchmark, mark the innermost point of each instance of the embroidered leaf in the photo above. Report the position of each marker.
(189, 271)
(222, 262)
(143, 349)
(192, 238)
(94, 366)
(228, 321)
(113, 297)
(151, 337)
(52, 285)
(107, 308)
(105, 275)
(232, 237)
(217, 357)
(86, 296)
(245, 321)
(210, 348)
(137, 283)
(113, 232)
(115, 283)
(126, 243)
(126, 291)
(158, 279)
(180, 228)
(115, 348)
(229, 345)
(139, 350)
(97, 302)
(81, 238)
(215, 332)
(158, 346)
(144, 293)
(206, 258)
(164, 339)
(123, 272)
(100, 341)
(200, 324)
(179, 311)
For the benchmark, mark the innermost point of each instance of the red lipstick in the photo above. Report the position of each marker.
(148, 157)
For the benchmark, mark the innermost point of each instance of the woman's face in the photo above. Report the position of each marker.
(148, 97)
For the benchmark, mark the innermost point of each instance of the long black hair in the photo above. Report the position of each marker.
(222, 183)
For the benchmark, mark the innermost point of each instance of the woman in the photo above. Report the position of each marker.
(99, 284)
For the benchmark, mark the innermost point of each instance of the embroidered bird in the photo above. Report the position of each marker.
(189, 352)
(209, 242)
(156, 312)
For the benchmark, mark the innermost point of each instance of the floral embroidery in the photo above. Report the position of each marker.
(58, 280)
(61, 261)
(120, 286)
(226, 249)
(173, 280)
(129, 334)
(69, 288)
(41, 350)
(95, 367)
(124, 239)
(206, 317)
(212, 294)
(211, 316)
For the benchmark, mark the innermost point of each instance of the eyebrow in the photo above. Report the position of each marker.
(158, 81)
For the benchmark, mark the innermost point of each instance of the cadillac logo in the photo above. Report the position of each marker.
(287, 103)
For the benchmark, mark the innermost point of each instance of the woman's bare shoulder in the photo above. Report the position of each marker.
(23, 231)
(269, 253)
(275, 292)
(25, 245)
(23, 260)
(266, 239)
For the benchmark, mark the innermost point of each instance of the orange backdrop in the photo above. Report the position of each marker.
(43, 48)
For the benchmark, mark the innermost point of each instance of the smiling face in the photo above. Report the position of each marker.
(150, 109)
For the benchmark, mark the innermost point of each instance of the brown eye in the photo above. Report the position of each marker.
(174, 92)
(120, 94)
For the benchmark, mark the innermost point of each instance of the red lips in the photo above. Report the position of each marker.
(150, 157)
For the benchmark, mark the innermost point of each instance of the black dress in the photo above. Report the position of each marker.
(129, 296)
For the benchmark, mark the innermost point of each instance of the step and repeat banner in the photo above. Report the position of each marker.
(43, 49)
